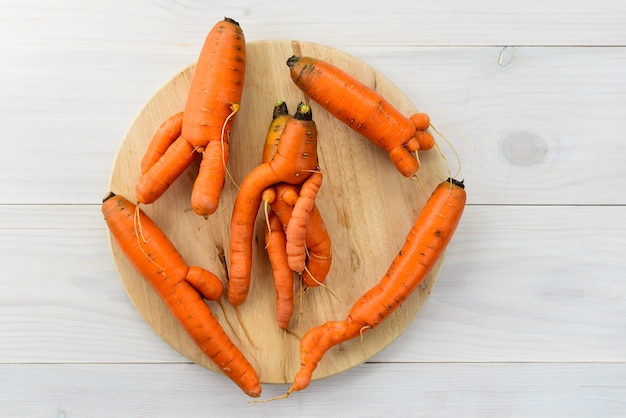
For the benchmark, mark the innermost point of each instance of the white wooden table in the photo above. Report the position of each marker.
(528, 317)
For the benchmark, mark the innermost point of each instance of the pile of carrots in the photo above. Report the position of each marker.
(285, 185)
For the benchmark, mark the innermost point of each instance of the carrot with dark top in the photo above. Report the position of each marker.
(181, 287)
(294, 161)
(424, 245)
(363, 109)
(213, 100)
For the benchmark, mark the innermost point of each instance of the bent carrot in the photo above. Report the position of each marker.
(156, 259)
(299, 222)
(424, 245)
(213, 100)
(294, 161)
(362, 109)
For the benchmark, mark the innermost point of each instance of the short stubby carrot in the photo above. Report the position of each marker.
(424, 245)
(294, 161)
(363, 109)
(181, 287)
(213, 100)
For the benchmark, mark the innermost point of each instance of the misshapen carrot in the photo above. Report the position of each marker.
(424, 245)
(213, 100)
(317, 239)
(181, 287)
(298, 225)
(294, 161)
(362, 109)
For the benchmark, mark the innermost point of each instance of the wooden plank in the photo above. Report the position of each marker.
(446, 22)
(524, 118)
(547, 287)
(391, 390)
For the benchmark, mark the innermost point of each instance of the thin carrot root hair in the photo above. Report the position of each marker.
(324, 285)
(234, 107)
(456, 154)
(141, 239)
(362, 331)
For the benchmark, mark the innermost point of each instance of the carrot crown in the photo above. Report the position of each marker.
(303, 112)
(280, 109)
(229, 20)
(292, 61)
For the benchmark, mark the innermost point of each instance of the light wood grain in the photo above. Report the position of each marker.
(367, 206)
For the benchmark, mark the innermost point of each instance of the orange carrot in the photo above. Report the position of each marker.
(213, 100)
(167, 133)
(299, 222)
(317, 240)
(424, 245)
(294, 161)
(319, 251)
(181, 287)
(362, 109)
(283, 276)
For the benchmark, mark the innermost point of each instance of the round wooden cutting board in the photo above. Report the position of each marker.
(367, 205)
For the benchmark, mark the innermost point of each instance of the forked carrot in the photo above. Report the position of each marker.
(181, 287)
(424, 245)
(362, 109)
(294, 161)
(213, 100)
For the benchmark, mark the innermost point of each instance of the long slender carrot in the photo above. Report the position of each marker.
(424, 245)
(362, 109)
(283, 275)
(213, 100)
(294, 161)
(181, 287)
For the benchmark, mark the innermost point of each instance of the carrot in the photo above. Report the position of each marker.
(181, 287)
(317, 240)
(424, 245)
(299, 222)
(319, 251)
(283, 276)
(294, 161)
(167, 133)
(213, 100)
(280, 116)
(362, 109)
